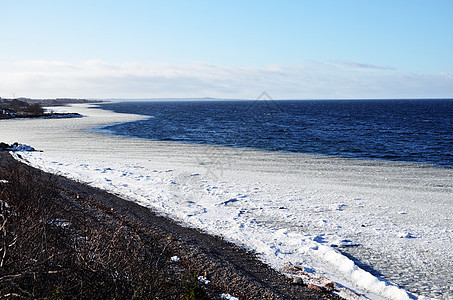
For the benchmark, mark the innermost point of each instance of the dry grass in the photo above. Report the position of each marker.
(55, 244)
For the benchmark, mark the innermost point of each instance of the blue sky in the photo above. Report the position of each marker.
(229, 49)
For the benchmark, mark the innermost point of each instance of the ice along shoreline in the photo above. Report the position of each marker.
(295, 202)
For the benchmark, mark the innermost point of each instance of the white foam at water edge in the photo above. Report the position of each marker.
(295, 211)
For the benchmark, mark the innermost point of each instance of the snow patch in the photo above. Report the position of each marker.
(228, 297)
(202, 279)
(175, 259)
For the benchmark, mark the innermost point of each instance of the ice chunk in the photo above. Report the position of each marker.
(228, 297)
(203, 279)
(405, 234)
(344, 243)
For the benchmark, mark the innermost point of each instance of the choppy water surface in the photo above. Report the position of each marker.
(397, 130)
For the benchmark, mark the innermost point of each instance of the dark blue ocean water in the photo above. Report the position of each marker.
(398, 130)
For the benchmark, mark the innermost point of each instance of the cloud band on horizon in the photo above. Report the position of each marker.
(313, 80)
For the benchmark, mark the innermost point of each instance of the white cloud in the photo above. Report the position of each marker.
(357, 65)
(100, 79)
(44, 65)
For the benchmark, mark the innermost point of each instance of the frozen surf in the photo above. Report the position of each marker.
(320, 214)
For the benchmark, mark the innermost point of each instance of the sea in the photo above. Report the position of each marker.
(354, 200)
(419, 131)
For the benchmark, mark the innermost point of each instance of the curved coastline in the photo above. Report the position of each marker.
(330, 187)
(314, 128)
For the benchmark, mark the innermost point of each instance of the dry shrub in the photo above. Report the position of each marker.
(50, 249)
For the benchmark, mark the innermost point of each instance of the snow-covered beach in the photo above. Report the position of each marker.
(290, 208)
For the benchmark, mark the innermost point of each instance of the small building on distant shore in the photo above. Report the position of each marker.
(6, 113)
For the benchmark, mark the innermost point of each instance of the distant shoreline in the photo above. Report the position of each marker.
(43, 116)
(36, 108)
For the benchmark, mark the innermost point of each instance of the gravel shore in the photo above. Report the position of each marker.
(229, 268)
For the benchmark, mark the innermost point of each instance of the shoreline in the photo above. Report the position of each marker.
(188, 137)
(243, 169)
(230, 269)
(97, 128)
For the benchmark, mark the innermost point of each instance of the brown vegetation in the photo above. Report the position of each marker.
(63, 239)
(52, 248)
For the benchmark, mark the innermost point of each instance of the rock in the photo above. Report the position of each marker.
(330, 286)
(16, 147)
(315, 287)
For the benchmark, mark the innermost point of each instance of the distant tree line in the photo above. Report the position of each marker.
(21, 108)
(51, 102)
(25, 107)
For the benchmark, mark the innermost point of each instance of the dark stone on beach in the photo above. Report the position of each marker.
(315, 287)
(15, 147)
(330, 286)
(4, 146)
